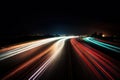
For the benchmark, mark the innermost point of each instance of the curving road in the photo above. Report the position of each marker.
(61, 58)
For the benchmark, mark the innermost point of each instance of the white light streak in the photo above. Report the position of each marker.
(16, 51)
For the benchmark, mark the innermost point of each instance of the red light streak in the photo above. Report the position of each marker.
(95, 59)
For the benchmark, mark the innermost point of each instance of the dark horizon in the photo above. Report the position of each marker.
(63, 21)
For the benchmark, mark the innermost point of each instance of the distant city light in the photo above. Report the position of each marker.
(103, 35)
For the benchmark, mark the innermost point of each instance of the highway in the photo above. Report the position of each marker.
(61, 58)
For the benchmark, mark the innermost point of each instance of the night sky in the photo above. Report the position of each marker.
(68, 20)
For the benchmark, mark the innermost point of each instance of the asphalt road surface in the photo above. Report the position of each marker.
(61, 58)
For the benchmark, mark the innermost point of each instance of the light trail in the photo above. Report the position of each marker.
(15, 46)
(53, 50)
(27, 47)
(28, 63)
(108, 42)
(102, 44)
(55, 53)
(96, 60)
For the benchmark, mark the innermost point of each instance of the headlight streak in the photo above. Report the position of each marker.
(16, 46)
(105, 45)
(91, 56)
(27, 47)
(55, 52)
(28, 63)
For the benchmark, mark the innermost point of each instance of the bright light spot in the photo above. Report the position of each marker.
(103, 35)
